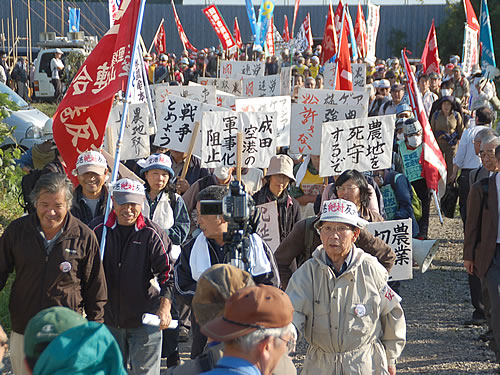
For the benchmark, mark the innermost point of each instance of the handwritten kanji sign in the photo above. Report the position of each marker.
(286, 80)
(397, 234)
(235, 69)
(362, 144)
(262, 86)
(225, 100)
(279, 104)
(135, 142)
(219, 138)
(202, 94)
(335, 97)
(268, 228)
(358, 77)
(229, 85)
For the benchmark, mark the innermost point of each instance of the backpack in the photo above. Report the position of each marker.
(416, 203)
(27, 184)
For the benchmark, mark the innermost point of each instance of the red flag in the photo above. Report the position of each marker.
(182, 34)
(270, 37)
(360, 32)
(338, 17)
(430, 56)
(220, 27)
(81, 117)
(160, 41)
(432, 161)
(295, 11)
(286, 34)
(329, 38)
(237, 33)
(471, 16)
(308, 30)
(344, 71)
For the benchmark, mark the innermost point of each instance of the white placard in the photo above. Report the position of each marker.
(372, 24)
(306, 120)
(203, 94)
(235, 69)
(135, 142)
(228, 85)
(225, 100)
(286, 80)
(363, 144)
(397, 234)
(268, 228)
(358, 77)
(262, 86)
(335, 97)
(219, 132)
(279, 104)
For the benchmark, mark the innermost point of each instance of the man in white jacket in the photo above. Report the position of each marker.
(351, 319)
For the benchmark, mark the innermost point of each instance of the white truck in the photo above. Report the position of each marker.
(74, 43)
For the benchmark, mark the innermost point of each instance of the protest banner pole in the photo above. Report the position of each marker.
(239, 154)
(436, 201)
(156, 34)
(187, 161)
(338, 49)
(116, 165)
(148, 92)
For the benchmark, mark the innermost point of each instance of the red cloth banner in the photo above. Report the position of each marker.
(222, 31)
(471, 16)
(430, 55)
(160, 41)
(338, 17)
(432, 161)
(360, 32)
(330, 42)
(344, 71)
(295, 11)
(182, 34)
(270, 37)
(237, 33)
(286, 33)
(81, 117)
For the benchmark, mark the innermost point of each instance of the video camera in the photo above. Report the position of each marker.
(242, 216)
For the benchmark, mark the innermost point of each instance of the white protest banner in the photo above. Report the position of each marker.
(363, 144)
(268, 228)
(219, 132)
(262, 86)
(397, 234)
(469, 52)
(203, 94)
(306, 120)
(329, 75)
(226, 100)
(358, 77)
(229, 85)
(135, 142)
(234, 69)
(138, 91)
(372, 24)
(279, 104)
(335, 97)
(286, 80)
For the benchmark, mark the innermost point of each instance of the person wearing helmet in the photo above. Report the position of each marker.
(410, 150)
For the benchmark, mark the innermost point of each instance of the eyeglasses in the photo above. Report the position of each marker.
(484, 153)
(347, 187)
(340, 229)
(290, 345)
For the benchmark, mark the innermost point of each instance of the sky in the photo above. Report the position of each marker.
(320, 2)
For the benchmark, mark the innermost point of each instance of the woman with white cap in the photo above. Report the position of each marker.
(352, 321)
(279, 176)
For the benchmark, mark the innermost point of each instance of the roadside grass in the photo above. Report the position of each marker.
(48, 108)
(9, 210)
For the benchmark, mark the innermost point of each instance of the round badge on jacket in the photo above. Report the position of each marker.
(65, 266)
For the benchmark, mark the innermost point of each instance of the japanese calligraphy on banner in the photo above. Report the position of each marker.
(219, 132)
(358, 77)
(262, 86)
(470, 53)
(135, 143)
(138, 91)
(226, 100)
(286, 80)
(268, 228)
(372, 24)
(220, 27)
(279, 104)
(234, 69)
(397, 234)
(335, 97)
(203, 94)
(229, 85)
(363, 144)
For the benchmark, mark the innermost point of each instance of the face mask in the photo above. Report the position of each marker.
(222, 173)
(415, 140)
(400, 136)
(446, 92)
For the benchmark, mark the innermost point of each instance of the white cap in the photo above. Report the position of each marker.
(340, 211)
(90, 161)
(58, 50)
(128, 191)
(384, 84)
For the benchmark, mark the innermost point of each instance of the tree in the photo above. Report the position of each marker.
(450, 33)
(397, 41)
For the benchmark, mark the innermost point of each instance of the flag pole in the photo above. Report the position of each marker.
(116, 165)
(338, 49)
(156, 34)
(148, 94)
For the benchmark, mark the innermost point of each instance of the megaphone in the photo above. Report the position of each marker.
(423, 252)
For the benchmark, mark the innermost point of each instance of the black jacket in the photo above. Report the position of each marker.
(80, 209)
(129, 265)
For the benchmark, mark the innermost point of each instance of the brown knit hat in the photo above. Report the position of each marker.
(214, 288)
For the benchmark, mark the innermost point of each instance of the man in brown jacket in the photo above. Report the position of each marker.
(56, 260)
(482, 242)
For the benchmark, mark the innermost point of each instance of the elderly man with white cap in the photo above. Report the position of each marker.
(91, 195)
(136, 251)
(350, 317)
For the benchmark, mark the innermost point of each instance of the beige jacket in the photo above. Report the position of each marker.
(354, 324)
